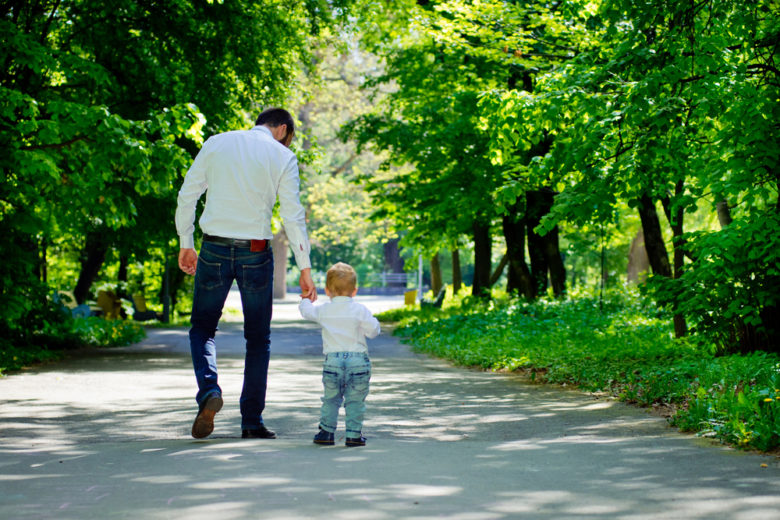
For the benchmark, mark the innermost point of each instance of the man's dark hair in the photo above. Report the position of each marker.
(274, 117)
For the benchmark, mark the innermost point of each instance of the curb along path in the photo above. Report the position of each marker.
(106, 435)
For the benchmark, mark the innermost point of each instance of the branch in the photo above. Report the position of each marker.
(499, 269)
(765, 67)
(344, 165)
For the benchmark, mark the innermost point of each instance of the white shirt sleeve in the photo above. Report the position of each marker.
(293, 215)
(369, 325)
(308, 310)
(193, 187)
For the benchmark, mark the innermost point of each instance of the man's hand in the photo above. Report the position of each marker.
(188, 260)
(307, 285)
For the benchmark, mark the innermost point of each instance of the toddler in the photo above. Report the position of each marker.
(347, 369)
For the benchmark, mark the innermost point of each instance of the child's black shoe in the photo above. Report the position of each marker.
(356, 441)
(324, 438)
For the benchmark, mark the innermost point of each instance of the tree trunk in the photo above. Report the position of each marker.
(279, 246)
(121, 277)
(436, 281)
(519, 277)
(724, 213)
(538, 204)
(393, 261)
(92, 257)
(678, 245)
(457, 279)
(552, 254)
(43, 270)
(482, 261)
(654, 240)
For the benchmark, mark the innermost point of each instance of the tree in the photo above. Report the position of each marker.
(664, 111)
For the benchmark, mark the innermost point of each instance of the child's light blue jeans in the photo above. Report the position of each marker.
(345, 376)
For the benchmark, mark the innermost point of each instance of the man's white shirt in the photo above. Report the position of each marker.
(244, 171)
(345, 323)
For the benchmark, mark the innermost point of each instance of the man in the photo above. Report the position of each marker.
(243, 171)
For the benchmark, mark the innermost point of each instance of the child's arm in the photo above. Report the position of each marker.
(369, 325)
(308, 310)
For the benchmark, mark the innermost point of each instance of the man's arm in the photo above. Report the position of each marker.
(192, 188)
(293, 215)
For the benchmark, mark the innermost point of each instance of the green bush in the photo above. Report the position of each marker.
(63, 333)
(623, 346)
(730, 293)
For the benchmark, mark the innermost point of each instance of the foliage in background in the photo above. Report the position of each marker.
(338, 208)
(623, 346)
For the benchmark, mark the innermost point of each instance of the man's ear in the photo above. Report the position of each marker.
(279, 132)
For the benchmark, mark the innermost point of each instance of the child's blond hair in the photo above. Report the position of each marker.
(341, 280)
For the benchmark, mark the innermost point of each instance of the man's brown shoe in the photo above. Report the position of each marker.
(204, 421)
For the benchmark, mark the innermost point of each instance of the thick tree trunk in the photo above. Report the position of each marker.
(678, 244)
(519, 277)
(393, 261)
(543, 250)
(552, 254)
(436, 279)
(537, 257)
(457, 278)
(654, 240)
(92, 257)
(482, 261)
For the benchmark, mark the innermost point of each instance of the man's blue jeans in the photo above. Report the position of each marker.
(345, 376)
(218, 266)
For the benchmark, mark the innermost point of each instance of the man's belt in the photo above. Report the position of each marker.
(253, 245)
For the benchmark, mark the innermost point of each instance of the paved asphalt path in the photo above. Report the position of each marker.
(106, 435)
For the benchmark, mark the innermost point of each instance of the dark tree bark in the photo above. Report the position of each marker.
(552, 254)
(519, 277)
(92, 257)
(676, 222)
(544, 250)
(436, 279)
(654, 240)
(724, 213)
(482, 262)
(393, 261)
(457, 278)
(121, 277)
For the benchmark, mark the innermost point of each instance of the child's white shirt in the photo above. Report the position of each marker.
(345, 323)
